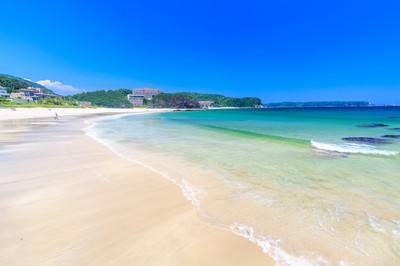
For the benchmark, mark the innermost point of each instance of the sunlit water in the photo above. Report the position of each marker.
(282, 178)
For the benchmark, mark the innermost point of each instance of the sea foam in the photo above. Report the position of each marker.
(270, 246)
(351, 148)
(188, 191)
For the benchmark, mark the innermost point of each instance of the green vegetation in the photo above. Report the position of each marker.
(14, 84)
(223, 101)
(118, 98)
(318, 104)
(5, 101)
(64, 102)
(110, 98)
(174, 100)
(58, 101)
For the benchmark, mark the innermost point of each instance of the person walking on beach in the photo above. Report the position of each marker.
(55, 116)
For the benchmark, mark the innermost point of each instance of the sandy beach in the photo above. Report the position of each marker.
(30, 113)
(67, 200)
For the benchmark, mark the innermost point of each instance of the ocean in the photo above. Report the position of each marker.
(318, 186)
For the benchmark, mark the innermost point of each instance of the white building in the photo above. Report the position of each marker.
(138, 95)
(3, 93)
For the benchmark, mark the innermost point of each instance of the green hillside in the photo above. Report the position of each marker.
(110, 98)
(174, 100)
(14, 84)
(223, 101)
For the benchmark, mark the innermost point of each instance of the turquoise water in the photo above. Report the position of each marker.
(282, 178)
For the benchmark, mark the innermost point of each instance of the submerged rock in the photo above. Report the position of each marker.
(391, 136)
(395, 128)
(367, 140)
(373, 125)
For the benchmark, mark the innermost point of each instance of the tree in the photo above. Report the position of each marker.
(174, 100)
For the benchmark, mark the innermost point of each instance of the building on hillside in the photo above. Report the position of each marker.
(34, 94)
(19, 97)
(30, 91)
(15, 95)
(30, 95)
(84, 104)
(146, 92)
(3, 93)
(43, 95)
(206, 104)
(138, 95)
(135, 100)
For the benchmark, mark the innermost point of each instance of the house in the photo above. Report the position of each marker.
(30, 91)
(84, 104)
(146, 92)
(135, 100)
(15, 95)
(138, 95)
(206, 104)
(35, 93)
(3, 93)
(20, 97)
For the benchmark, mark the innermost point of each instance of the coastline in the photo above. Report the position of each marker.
(76, 202)
(40, 112)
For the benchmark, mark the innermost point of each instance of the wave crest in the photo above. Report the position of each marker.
(351, 148)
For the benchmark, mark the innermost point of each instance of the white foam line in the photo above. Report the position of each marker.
(270, 246)
(338, 211)
(189, 192)
(396, 232)
(357, 243)
(116, 116)
(375, 225)
(351, 148)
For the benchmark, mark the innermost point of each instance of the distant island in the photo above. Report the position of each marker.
(331, 104)
(223, 101)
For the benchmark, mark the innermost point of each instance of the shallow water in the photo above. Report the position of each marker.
(282, 178)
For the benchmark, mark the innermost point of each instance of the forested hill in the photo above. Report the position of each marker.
(111, 98)
(174, 100)
(14, 84)
(223, 101)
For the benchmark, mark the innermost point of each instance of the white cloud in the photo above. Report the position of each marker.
(27, 79)
(58, 87)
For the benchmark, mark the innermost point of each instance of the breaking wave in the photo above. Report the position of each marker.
(351, 148)
(270, 245)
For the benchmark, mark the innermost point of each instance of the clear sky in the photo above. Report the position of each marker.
(277, 50)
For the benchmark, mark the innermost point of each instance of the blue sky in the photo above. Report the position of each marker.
(277, 50)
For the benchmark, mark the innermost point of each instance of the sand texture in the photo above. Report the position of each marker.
(67, 200)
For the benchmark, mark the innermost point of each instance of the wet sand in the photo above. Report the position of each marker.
(66, 199)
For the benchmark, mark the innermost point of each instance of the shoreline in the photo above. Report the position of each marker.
(40, 112)
(89, 206)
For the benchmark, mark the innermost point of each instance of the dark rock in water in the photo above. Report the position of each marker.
(391, 136)
(367, 140)
(395, 128)
(373, 125)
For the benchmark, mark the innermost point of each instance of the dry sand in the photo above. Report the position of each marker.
(24, 113)
(65, 199)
